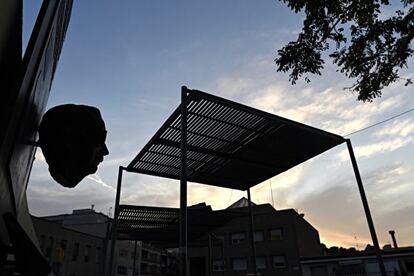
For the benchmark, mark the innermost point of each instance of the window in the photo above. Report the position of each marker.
(218, 265)
(279, 261)
(261, 262)
(60, 251)
(144, 254)
(276, 234)
(75, 252)
(122, 270)
(134, 256)
(238, 238)
(154, 257)
(63, 244)
(98, 255)
(87, 254)
(219, 238)
(258, 236)
(319, 271)
(239, 264)
(123, 253)
(144, 267)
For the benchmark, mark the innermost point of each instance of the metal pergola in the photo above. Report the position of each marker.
(214, 141)
(160, 225)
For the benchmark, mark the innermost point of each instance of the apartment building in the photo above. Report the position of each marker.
(282, 238)
(397, 261)
(75, 245)
(70, 252)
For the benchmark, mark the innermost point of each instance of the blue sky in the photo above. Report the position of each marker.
(130, 59)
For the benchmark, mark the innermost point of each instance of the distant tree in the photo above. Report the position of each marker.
(369, 248)
(352, 250)
(333, 250)
(368, 45)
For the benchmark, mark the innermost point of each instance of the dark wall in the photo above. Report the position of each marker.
(10, 57)
(10, 67)
(308, 239)
(299, 238)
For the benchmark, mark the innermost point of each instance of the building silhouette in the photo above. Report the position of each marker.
(398, 261)
(75, 245)
(282, 238)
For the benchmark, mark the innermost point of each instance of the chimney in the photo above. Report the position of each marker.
(394, 241)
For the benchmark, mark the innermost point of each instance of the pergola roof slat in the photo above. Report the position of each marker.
(161, 225)
(229, 144)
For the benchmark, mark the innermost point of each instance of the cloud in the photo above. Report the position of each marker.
(329, 108)
(338, 214)
(217, 197)
(402, 128)
(331, 238)
(332, 109)
(138, 189)
(283, 187)
(97, 179)
(373, 149)
(152, 199)
(233, 87)
(48, 198)
(39, 155)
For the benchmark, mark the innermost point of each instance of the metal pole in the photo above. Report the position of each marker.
(183, 185)
(366, 209)
(223, 261)
(115, 221)
(252, 232)
(135, 259)
(394, 240)
(209, 254)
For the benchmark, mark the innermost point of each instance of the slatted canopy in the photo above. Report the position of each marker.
(229, 144)
(161, 225)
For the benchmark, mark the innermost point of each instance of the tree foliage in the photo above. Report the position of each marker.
(367, 45)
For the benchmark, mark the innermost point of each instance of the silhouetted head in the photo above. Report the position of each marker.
(72, 138)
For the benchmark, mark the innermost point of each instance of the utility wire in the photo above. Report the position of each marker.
(381, 122)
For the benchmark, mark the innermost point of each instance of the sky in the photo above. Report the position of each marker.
(130, 58)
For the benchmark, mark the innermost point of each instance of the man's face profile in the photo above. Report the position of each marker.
(72, 138)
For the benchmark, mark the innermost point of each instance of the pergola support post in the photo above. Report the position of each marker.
(183, 185)
(253, 246)
(366, 209)
(210, 260)
(115, 221)
(134, 267)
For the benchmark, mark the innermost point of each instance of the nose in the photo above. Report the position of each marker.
(105, 150)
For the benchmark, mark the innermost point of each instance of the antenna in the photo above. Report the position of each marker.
(356, 242)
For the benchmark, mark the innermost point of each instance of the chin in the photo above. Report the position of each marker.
(92, 169)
